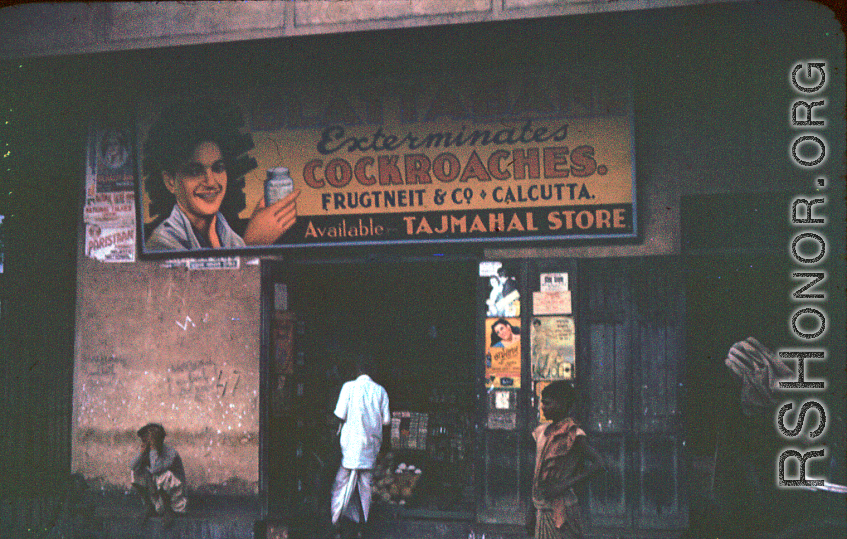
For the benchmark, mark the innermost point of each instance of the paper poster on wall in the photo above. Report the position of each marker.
(552, 348)
(504, 298)
(489, 268)
(115, 172)
(539, 387)
(502, 409)
(109, 210)
(503, 352)
(364, 161)
(554, 282)
(214, 263)
(551, 302)
(110, 242)
(283, 341)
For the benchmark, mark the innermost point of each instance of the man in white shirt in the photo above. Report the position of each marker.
(363, 410)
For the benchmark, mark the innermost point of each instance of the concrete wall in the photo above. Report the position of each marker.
(38, 29)
(176, 347)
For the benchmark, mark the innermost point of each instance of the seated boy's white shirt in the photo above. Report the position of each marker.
(154, 459)
(168, 483)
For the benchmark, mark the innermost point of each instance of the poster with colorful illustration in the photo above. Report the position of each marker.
(503, 352)
(504, 298)
(109, 210)
(425, 160)
(552, 347)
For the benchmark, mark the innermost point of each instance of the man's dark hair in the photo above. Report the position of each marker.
(561, 391)
(363, 362)
(180, 127)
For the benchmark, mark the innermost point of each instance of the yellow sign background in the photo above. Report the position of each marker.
(608, 138)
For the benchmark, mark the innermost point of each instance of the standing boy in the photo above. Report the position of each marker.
(563, 458)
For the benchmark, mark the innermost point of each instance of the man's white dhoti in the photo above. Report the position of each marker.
(349, 482)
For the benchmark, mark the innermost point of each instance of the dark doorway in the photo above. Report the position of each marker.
(416, 319)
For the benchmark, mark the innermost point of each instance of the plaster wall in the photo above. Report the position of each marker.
(172, 346)
(77, 27)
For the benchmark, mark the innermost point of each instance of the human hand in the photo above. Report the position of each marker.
(267, 224)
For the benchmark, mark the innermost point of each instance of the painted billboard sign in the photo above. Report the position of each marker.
(452, 159)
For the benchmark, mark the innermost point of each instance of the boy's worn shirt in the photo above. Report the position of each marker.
(156, 463)
(554, 463)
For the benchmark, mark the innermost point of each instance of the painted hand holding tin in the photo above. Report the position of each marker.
(268, 223)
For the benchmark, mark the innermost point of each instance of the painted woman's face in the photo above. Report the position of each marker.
(199, 183)
(504, 331)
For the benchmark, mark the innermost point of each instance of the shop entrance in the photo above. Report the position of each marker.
(416, 320)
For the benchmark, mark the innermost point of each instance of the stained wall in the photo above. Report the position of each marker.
(174, 346)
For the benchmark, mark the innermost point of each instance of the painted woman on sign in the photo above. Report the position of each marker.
(504, 334)
(194, 165)
(503, 354)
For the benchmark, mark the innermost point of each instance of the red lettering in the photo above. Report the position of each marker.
(361, 174)
(389, 172)
(333, 168)
(475, 169)
(555, 162)
(417, 169)
(440, 165)
(494, 165)
(582, 161)
(309, 174)
(526, 164)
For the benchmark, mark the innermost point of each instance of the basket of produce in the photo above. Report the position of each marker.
(395, 485)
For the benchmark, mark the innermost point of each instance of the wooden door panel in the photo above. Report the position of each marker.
(609, 379)
(607, 500)
(631, 329)
(659, 387)
(505, 491)
(660, 504)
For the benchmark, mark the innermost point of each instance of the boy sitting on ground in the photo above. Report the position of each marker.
(158, 475)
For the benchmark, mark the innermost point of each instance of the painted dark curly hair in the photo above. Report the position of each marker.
(171, 140)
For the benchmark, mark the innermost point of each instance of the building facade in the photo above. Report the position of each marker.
(668, 152)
